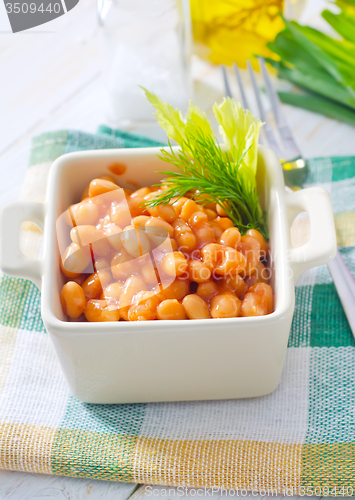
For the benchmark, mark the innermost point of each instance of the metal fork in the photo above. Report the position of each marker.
(294, 168)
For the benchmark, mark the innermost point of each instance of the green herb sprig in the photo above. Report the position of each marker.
(212, 173)
(223, 175)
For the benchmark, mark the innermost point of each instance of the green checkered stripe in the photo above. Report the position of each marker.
(44, 429)
(319, 319)
(320, 323)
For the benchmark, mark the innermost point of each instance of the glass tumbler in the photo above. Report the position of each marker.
(148, 44)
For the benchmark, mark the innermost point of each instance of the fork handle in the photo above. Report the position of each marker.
(295, 172)
(345, 285)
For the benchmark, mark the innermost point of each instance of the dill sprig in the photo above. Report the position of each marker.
(202, 165)
(225, 176)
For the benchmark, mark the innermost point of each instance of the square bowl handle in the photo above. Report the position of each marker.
(12, 260)
(322, 245)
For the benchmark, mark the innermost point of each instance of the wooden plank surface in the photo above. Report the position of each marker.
(25, 486)
(170, 493)
(51, 78)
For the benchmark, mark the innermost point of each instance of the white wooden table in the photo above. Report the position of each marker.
(51, 78)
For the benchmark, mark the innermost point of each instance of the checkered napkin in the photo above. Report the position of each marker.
(299, 438)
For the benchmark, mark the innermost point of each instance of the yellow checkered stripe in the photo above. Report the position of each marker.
(26, 447)
(230, 464)
(345, 228)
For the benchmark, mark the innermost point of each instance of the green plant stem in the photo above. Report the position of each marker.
(321, 105)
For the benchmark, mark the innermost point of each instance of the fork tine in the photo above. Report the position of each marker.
(274, 99)
(284, 130)
(256, 92)
(245, 102)
(241, 88)
(226, 83)
(267, 128)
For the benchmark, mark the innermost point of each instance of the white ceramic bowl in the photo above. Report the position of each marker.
(129, 362)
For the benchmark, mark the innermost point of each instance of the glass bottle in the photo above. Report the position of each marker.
(147, 43)
(228, 31)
